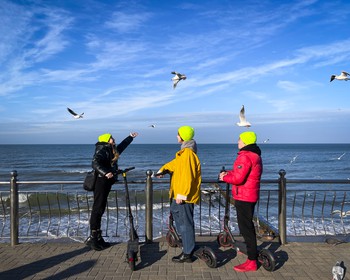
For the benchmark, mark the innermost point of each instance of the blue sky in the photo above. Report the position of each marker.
(112, 60)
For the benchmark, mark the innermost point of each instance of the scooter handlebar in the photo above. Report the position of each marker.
(120, 171)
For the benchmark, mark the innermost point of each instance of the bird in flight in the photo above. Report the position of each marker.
(341, 213)
(152, 125)
(293, 159)
(75, 115)
(177, 78)
(339, 158)
(242, 119)
(344, 76)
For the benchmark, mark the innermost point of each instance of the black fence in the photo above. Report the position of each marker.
(286, 209)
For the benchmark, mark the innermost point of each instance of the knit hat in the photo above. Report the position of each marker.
(186, 133)
(248, 137)
(104, 137)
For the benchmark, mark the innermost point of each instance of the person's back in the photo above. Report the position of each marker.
(186, 174)
(245, 179)
(184, 190)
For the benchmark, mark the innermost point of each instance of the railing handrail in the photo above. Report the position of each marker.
(206, 181)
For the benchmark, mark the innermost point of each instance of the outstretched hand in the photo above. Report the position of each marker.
(133, 134)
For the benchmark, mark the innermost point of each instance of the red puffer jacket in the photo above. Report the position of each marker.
(246, 174)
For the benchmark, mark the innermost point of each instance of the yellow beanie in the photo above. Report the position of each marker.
(104, 137)
(186, 133)
(248, 137)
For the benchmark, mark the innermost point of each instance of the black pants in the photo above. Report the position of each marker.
(245, 212)
(102, 188)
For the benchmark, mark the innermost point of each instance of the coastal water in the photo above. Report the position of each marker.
(71, 162)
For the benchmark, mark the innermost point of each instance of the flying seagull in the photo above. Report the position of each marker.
(339, 158)
(177, 78)
(152, 125)
(242, 119)
(344, 76)
(75, 115)
(341, 213)
(293, 159)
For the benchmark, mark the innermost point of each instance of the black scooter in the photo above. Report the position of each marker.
(205, 253)
(226, 239)
(133, 242)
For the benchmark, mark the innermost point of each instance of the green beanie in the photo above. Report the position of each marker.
(186, 133)
(248, 137)
(104, 137)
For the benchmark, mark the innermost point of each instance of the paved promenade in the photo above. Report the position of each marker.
(72, 260)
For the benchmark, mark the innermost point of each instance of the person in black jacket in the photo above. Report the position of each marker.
(105, 163)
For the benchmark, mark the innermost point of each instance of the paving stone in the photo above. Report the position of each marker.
(70, 260)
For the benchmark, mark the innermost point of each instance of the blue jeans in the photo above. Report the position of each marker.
(183, 217)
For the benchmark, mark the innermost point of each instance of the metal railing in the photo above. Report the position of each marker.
(302, 209)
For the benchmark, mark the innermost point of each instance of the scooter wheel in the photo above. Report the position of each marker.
(223, 239)
(132, 260)
(171, 239)
(267, 260)
(209, 257)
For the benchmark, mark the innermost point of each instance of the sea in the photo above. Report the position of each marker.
(71, 162)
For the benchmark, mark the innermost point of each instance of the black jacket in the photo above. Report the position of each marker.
(102, 160)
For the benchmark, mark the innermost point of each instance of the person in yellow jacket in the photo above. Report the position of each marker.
(184, 190)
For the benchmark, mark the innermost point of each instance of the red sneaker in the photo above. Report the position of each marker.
(249, 265)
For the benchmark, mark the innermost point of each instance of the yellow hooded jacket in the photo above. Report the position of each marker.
(186, 176)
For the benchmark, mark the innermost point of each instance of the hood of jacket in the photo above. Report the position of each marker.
(254, 148)
(189, 144)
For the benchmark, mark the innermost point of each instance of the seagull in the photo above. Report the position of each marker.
(344, 76)
(339, 158)
(242, 119)
(293, 159)
(152, 125)
(341, 214)
(75, 115)
(338, 271)
(267, 140)
(177, 78)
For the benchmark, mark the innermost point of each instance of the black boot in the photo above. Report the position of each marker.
(101, 241)
(92, 241)
(183, 258)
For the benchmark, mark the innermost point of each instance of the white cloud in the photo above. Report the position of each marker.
(127, 22)
(290, 86)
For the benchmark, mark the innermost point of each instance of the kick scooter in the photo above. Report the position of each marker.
(205, 253)
(226, 239)
(133, 243)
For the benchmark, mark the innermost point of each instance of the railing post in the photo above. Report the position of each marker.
(149, 207)
(282, 207)
(14, 218)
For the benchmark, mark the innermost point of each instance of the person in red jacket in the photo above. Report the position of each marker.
(245, 179)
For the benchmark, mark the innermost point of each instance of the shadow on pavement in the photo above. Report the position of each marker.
(33, 268)
(149, 254)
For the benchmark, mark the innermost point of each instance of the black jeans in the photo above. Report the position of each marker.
(245, 212)
(102, 188)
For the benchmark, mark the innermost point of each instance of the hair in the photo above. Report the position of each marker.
(116, 155)
(180, 136)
